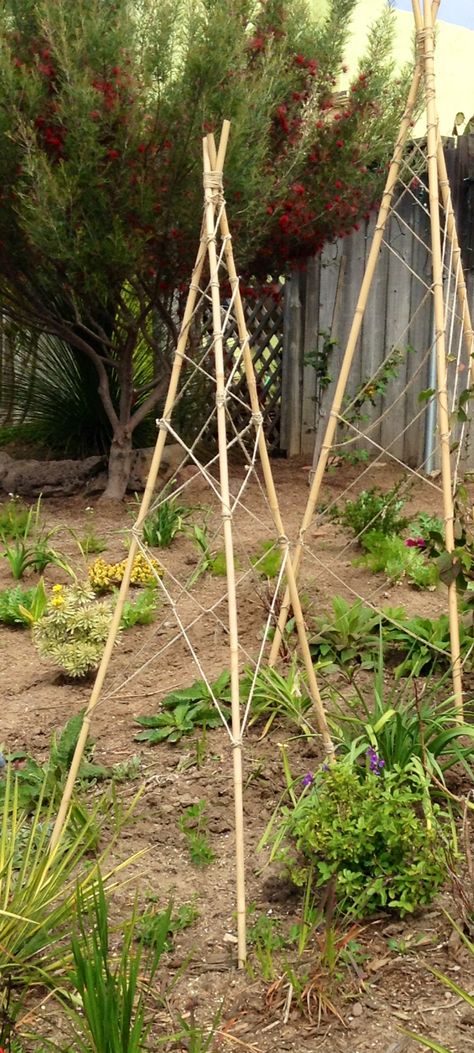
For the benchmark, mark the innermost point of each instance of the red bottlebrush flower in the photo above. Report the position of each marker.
(340, 143)
(298, 188)
(319, 124)
(141, 148)
(300, 60)
(113, 155)
(46, 69)
(167, 144)
(257, 44)
(269, 210)
(17, 62)
(312, 67)
(45, 54)
(116, 71)
(284, 221)
(338, 184)
(40, 121)
(94, 114)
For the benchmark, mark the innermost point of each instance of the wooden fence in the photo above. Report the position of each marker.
(319, 309)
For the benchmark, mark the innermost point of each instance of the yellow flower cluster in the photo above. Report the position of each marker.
(104, 576)
(58, 598)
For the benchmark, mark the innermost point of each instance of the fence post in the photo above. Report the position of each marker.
(292, 368)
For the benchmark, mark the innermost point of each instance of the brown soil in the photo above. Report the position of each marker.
(389, 986)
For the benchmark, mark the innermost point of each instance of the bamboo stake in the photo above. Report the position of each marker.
(350, 349)
(145, 504)
(213, 199)
(444, 186)
(426, 40)
(268, 477)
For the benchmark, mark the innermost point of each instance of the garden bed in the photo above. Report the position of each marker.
(385, 984)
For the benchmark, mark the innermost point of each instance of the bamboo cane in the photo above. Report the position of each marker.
(350, 349)
(425, 38)
(268, 476)
(213, 199)
(145, 504)
(444, 186)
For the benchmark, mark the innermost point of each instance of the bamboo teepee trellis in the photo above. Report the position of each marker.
(215, 251)
(438, 184)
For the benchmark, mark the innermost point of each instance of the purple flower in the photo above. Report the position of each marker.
(415, 542)
(307, 779)
(376, 763)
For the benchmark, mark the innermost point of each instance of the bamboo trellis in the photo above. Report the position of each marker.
(439, 194)
(214, 255)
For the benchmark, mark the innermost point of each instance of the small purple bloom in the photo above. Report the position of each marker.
(376, 763)
(308, 779)
(415, 542)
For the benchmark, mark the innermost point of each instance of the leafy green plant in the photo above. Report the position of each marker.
(184, 710)
(400, 723)
(150, 923)
(277, 697)
(38, 887)
(46, 781)
(376, 832)
(193, 824)
(141, 610)
(396, 558)
(375, 510)
(112, 988)
(425, 644)
(212, 562)
(22, 607)
(267, 560)
(349, 637)
(165, 522)
(15, 518)
(89, 542)
(264, 936)
(73, 629)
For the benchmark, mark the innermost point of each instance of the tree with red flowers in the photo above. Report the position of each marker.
(102, 108)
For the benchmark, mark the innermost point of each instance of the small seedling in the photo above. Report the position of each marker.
(89, 543)
(151, 922)
(193, 824)
(162, 525)
(267, 560)
(140, 611)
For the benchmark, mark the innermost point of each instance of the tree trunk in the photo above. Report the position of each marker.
(120, 461)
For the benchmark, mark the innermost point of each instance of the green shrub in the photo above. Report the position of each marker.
(372, 509)
(395, 558)
(375, 831)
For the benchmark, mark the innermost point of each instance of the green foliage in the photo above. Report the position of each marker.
(22, 607)
(185, 710)
(397, 560)
(73, 630)
(398, 724)
(278, 698)
(349, 637)
(267, 560)
(211, 562)
(150, 923)
(140, 611)
(111, 988)
(38, 888)
(99, 105)
(15, 518)
(375, 510)
(166, 521)
(425, 644)
(377, 834)
(45, 782)
(193, 824)
(89, 542)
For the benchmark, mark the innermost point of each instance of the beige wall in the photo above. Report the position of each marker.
(454, 59)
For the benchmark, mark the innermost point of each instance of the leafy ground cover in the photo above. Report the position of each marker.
(347, 982)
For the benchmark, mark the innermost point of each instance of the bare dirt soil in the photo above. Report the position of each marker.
(389, 986)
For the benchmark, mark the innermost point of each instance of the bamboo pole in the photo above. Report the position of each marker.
(350, 349)
(444, 186)
(213, 202)
(268, 477)
(145, 504)
(426, 40)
